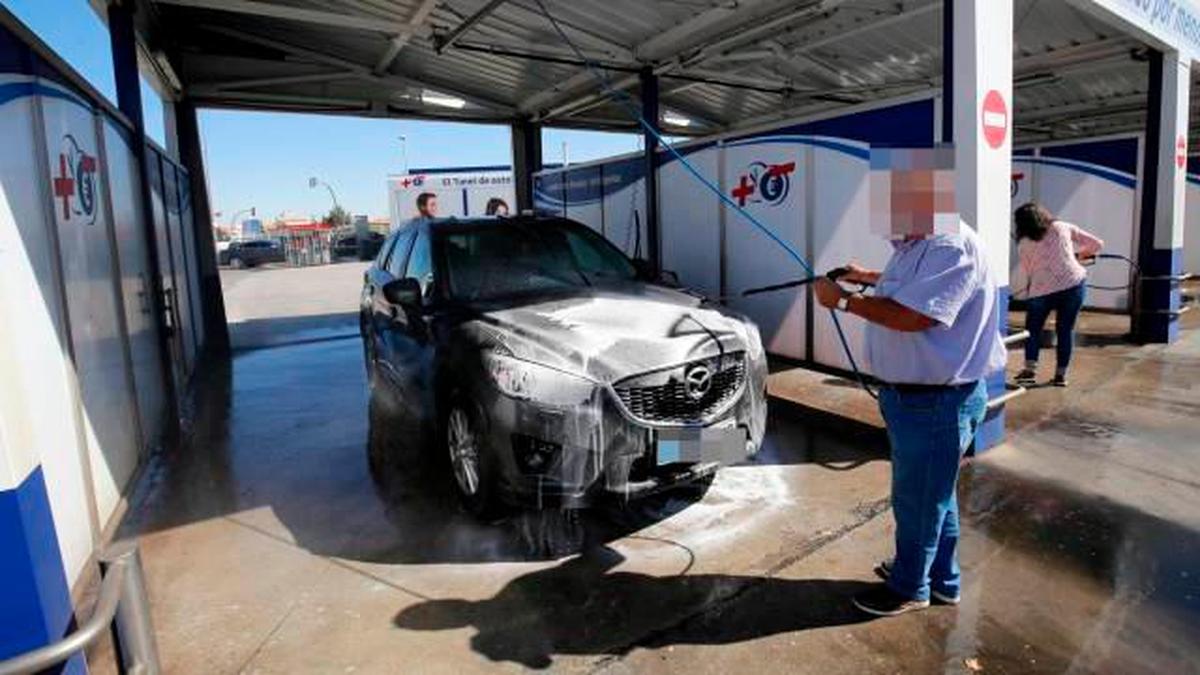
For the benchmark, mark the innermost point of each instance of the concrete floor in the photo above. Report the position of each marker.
(277, 304)
(268, 549)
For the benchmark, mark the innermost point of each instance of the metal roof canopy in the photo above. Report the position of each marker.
(723, 64)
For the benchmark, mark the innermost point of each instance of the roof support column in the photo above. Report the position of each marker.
(527, 160)
(1156, 306)
(191, 155)
(980, 49)
(650, 115)
(123, 37)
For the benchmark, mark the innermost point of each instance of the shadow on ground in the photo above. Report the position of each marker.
(583, 607)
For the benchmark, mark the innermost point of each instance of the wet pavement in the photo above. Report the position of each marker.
(268, 548)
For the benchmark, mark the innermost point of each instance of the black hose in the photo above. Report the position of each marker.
(1137, 272)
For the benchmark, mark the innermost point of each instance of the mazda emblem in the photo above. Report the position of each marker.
(697, 381)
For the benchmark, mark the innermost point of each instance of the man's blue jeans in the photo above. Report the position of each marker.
(929, 432)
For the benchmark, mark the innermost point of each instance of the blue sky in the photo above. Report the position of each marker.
(264, 159)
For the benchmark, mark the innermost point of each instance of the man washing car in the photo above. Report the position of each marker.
(932, 338)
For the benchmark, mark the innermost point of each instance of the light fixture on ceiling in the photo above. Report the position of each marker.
(441, 100)
(676, 120)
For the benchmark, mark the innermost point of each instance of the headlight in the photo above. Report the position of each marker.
(531, 381)
(754, 346)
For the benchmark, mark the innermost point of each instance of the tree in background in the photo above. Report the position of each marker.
(337, 217)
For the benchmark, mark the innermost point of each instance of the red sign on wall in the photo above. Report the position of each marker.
(995, 119)
(1180, 151)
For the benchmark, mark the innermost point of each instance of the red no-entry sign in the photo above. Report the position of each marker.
(995, 119)
(1180, 151)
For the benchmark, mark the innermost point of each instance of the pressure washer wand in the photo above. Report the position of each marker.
(833, 275)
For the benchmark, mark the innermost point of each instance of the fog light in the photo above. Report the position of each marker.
(534, 455)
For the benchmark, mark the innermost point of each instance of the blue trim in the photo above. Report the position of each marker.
(904, 125)
(462, 169)
(37, 602)
(14, 90)
(466, 208)
(1120, 154)
(1122, 179)
(829, 144)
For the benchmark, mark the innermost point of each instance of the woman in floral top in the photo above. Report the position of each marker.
(1050, 277)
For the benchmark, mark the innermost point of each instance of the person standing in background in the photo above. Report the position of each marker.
(1050, 278)
(427, 206)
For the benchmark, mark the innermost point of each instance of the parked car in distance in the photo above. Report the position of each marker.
(348, 246)
(536, 360)
(240, 254)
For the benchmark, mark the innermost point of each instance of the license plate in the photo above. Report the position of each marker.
(723, 443)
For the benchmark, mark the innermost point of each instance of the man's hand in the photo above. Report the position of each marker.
(828, 293)
(860, 275)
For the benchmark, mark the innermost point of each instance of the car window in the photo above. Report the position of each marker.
(395, 262)
(420, 264)
(507, 259)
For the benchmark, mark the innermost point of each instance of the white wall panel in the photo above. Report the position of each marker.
(133, 256)
(625, 206)
(87, 265)
(690, 221)
(584, 197)
(183, 297)
(842, 233)
(1191, 227)
(752, 259)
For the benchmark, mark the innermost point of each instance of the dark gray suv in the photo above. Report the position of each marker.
(531, 355)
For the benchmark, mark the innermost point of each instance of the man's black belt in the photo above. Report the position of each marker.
(906, 388)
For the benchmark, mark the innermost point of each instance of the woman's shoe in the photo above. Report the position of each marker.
(1026, 377)
(1059, 380)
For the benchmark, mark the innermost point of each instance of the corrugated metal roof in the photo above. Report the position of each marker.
(723, 63)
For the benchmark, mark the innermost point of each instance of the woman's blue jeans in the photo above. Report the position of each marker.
(929, 432)
(1066, 303)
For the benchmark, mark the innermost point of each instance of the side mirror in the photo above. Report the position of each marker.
(404, 292)
(645, 272)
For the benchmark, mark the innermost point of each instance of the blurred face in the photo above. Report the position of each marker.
(431, 208)
(502, 210)
(912, 192)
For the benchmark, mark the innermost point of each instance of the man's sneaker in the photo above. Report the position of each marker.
(884, 570)
(1059, 381)
(883, 601)
(1026, 377)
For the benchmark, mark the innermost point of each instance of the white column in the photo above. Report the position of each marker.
(1160, 249)
(981, 92)
(1172, 153)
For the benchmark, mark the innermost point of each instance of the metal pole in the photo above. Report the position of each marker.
(650, 112)
(132, 630)
(466, 25)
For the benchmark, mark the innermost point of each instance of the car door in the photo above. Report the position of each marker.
(381, 313)
(408, 337)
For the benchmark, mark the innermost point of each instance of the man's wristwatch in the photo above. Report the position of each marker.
(843, 302)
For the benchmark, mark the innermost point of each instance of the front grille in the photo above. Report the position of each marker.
(669, 403)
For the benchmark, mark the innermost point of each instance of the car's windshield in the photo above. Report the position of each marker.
(505, 259)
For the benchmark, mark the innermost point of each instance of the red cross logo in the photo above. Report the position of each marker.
(64, 186)
(406, 182)
(743, 191)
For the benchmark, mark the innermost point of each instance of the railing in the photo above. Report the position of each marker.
(121, 606)
(1011, 391)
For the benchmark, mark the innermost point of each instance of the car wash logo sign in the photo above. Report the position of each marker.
(414, 181)
(764, 183)
(75, 182)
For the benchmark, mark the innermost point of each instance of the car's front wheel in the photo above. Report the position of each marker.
(237, 263)
(470, 462)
